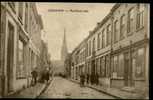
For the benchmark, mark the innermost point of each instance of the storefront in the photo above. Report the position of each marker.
(129, 67)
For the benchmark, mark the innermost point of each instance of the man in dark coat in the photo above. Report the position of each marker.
(87, 78)
(97, 78)
(34, 76)
(83, 79)
(47, 76)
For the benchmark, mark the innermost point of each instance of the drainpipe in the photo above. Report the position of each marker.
(131, 71)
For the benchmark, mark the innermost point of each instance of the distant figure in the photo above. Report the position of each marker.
(87, 78)
(83, 79)
(97, 78)
(34, 76)
(91, 79)
(47, 76)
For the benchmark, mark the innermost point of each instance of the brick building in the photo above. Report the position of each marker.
(118, 48)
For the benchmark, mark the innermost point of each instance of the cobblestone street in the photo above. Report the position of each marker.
(62, 88)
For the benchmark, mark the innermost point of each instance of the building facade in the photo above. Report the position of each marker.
(118, 48)
(17, 45)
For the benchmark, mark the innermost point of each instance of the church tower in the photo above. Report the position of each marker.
(64, 51)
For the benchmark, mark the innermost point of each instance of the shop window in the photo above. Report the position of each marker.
(107, 66)
(20, 69)
(121, 66)
(103, 67)
(115, 62)
(139, 69)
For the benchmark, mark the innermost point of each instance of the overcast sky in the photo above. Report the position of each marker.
(57, 16)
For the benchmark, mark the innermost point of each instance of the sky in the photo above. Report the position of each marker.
(76, 18)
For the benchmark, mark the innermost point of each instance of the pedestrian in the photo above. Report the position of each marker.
(83, 79)
(34, 76)
(91, 79)
(87, 78)
(97, 78)
(47, 76)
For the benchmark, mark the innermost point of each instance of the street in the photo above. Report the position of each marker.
(62, 88)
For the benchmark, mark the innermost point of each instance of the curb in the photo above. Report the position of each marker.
(44, 88)
(117, 97)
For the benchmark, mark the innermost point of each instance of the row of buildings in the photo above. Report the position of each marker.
(21, 45)
(117, 49)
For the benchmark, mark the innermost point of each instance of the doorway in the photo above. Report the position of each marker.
(10, 47)
(93, 67)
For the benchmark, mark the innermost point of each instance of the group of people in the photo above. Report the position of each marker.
(93, 79)
(43, 77)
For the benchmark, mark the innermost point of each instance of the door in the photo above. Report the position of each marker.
(10, 56)
(93, 67)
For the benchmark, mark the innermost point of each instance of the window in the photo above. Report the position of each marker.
(140, 16)
(116, 31)
(103, 67)
(93, 47)
(12, 6)
(130, 20)
(89, 47)
(122, 32)
(26, 17)
(103, 38)
(20, 69)
(115, 66)
(108, 34)
(21, 11)
(121, 66)
(98, 41)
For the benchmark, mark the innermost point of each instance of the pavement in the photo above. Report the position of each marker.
(61, 88)
(115, 92)
(31, 92)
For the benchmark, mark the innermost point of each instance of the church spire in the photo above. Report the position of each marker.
(64, 51)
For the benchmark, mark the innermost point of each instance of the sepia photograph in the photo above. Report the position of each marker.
(74, 50)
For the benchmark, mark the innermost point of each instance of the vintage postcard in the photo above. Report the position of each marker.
(74, 50)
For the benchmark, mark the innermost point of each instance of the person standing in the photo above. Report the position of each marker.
(97, 78)
(34, 76)
(83, 79)
(47, 76)
(87, 78)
